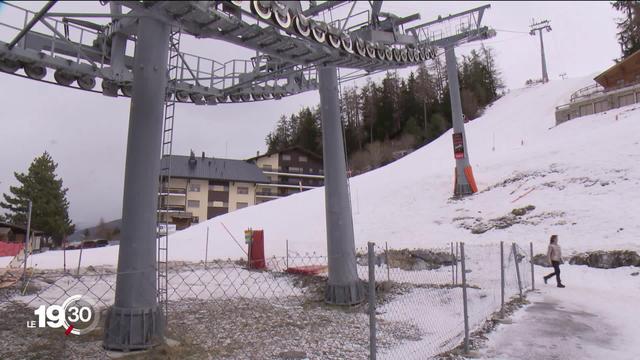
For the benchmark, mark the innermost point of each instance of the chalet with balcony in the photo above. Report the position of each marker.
(289, 171)
(616, 87)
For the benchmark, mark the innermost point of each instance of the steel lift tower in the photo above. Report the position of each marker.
(448, 33)
(296, 51)
(539, 26)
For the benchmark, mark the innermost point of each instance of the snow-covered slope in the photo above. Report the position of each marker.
(582, 177)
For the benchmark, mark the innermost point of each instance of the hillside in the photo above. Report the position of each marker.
(581, 177)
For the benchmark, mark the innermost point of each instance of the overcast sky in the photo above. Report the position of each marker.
(86, 132)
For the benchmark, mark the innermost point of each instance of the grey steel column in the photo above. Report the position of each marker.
(464, 299)
(515, 258)
(26, 243)
(135, 321)
(533, 280)
(463, 187)
(545, 76)
(372, 301)
(344, 287)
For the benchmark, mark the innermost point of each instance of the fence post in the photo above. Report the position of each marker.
(533, 281)
(80, 257)
(287, 259)
(457, 247)
(26, 245)
(464, 300)
(515, 258)
(206, 249)
(502, 278)
(386, 259)
(372, 302)
(453, 262)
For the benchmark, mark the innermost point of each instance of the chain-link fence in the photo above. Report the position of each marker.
(441, 296)
(223, 309)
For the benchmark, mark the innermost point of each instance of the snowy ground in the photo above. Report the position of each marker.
(595, 317)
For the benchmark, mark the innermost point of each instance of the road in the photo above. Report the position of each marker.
(597, 316)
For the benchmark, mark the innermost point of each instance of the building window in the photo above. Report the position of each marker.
(241, 205)
(193, 203)
(218, 204)
(302, 158)
(194, 187)
(218, 188)
(295, 169)
(243, 190)
(267, 167)
(286, 157)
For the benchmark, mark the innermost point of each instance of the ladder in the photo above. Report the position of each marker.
(165, 172)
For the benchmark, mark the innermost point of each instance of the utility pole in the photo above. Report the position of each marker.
(539, 26)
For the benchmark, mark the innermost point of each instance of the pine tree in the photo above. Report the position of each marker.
(308, 136)
(50, 207)
(629, 26)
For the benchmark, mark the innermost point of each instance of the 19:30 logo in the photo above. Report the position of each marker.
(76, 315)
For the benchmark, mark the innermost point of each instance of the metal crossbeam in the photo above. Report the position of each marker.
(31, 24)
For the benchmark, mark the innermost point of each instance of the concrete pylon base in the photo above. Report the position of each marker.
(344, 294)
(465, 183)
(127, 329)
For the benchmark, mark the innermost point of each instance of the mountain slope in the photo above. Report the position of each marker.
(581, 177)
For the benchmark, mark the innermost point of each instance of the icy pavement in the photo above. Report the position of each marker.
(597, 316)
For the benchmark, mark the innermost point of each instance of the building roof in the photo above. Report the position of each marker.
(19, 228)
(296, 147)
(629, 64)
(215, 169)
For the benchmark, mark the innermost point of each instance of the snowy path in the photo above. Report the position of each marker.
(596, 317)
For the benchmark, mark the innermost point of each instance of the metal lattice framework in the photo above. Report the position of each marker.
(289, 42)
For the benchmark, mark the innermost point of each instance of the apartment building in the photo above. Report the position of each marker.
(289, 171)
(201, 188)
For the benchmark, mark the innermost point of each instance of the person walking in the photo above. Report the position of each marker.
(554, 253)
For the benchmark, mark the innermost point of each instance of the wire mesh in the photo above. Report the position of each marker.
(225, 304)
(420, 309)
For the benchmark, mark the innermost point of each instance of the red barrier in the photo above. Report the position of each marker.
(10, 249)
(256, 250)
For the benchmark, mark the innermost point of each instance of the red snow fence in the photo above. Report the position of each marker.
(307, 269)
(10, 249)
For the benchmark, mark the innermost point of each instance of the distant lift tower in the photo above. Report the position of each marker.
(448, 32)
(539, 26)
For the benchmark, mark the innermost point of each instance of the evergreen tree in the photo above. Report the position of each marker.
(301, 129)
(629, 26)
(280, 138)
(307, 134)
(50, 207)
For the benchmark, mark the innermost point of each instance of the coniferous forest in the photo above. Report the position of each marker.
(383, 120)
